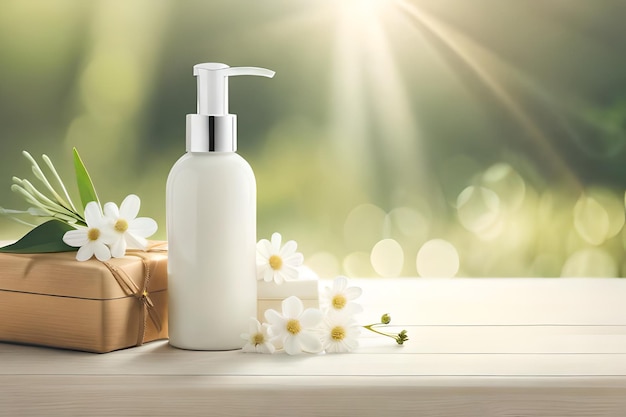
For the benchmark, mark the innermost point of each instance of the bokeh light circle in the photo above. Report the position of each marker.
(387, 258)
(437, 258)
(325, 264)
(591, 220)
(478, 209)
(364, 227)
(590, 262)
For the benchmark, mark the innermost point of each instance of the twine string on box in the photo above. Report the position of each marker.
(131, 288)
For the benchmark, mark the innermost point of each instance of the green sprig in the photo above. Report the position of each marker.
(385, 319)
(46, 202)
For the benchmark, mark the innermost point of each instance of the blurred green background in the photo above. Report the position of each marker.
(398, 137)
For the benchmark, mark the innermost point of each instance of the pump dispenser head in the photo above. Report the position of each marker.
(212, 129)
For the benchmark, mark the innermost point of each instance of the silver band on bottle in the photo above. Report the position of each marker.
(211, 133)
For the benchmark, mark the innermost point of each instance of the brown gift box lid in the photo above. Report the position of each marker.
(54, 300)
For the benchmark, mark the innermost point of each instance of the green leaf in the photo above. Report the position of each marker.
(45, 238)
(85, 186)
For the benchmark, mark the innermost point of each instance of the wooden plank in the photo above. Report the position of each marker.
(457, 339)
(495, 301)
(478, 348)
(275, 396)
(164, 360)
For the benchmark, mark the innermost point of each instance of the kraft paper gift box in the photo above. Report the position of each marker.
(54, 300)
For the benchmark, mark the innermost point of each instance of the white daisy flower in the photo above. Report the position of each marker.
(340, 333)
(340, 298)
(92, 240)
(258, 338)
(295, 329)
(276, 263)
(127, 230)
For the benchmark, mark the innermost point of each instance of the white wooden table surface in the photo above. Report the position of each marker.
(478, 347)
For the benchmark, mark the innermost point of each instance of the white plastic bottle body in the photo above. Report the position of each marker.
(211, 228)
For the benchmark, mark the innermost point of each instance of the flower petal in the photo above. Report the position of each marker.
(135, 242)
(111, 211)
(277, 342)
(76, 238)
(265, 348)
(248, 348)
(264, 248)
(109, 235)
(118, 248)
(276, 239)
(279, 277)
(352, 308)
(295, 259)
(288, 249)
(130, 207)
(289, 273)
(353, 293)
(143, 226)
(274, 317)
(351, 344)
(331, 346)
(340, 283)
(309, 342)
(353, 330)
(85, 252)
(101, 251)
(254, 326)
(311, 317)
(292, 345)
(268, 275)
(292, 307)
(93, 214)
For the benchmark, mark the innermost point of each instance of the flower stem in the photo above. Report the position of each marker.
(63, 206)
(371, 328)
(61, 184)
(45, 201)
(44, 207)
(400, 338)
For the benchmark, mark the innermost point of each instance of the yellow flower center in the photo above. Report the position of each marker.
(121, 225)
(276, 262)
(339, 302)
(258, 339)
(93, 234)
(338, 333)
(293, 326)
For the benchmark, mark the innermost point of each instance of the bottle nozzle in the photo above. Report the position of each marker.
(212, 129)
(213, 85)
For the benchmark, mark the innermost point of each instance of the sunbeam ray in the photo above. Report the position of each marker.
(375, 126)
(459, 48)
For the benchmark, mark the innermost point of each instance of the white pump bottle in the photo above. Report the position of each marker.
(211, 224)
